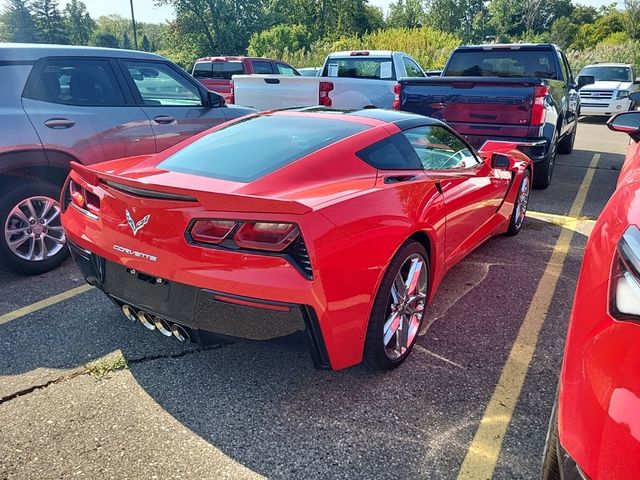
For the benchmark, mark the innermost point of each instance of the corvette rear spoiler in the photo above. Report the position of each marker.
(214, 201)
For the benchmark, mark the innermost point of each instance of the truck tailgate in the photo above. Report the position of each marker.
(356, 93)
(269, 92)
(473, 105)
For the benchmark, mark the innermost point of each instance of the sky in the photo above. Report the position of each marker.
(147, 11)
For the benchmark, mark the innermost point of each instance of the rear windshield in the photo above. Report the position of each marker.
(252, 148)
(360, 67)
(219, 70)
(501, 63)
(612, 74)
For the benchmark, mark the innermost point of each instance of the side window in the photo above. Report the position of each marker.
(203, 70)
(439, 149)
(563, 68)
(159, 84)
(261, 67)
(393, 153)
(72, 81)
(285, 69)
(413, 70)
(567, 68)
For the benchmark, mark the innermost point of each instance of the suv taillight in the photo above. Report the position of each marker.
(538, 110)
(396, 96)
(323, 94)
(232, 95)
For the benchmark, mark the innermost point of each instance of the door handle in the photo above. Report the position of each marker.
(400, 178)
(272, 80)
(164, 119)
(59, 123)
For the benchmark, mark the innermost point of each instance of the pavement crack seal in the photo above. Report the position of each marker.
(101, 368)
(482, 456)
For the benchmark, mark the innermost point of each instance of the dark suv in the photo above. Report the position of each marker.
(61, 104)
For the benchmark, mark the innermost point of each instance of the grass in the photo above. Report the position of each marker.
(102, 368)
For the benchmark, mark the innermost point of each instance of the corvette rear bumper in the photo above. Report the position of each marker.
(202, 311)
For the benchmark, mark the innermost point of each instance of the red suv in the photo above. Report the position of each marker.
(215, 72)
(594, 431)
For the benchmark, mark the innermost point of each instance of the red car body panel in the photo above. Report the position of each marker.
(342, 205)
(599, 393)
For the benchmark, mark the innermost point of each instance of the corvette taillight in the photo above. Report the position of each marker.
(274, 237)
(211, 231)
(625, 278)
(84, 199)
(269, 236)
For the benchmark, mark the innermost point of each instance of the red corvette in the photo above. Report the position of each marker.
(337, 224)
(594, 432)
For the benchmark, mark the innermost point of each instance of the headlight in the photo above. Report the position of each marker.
(621, 94)
(625, 281)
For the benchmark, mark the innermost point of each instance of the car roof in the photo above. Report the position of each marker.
(227, 58)
(508, 46)
(35, 51)
(376, 116)
(607, 65)
(371, 53)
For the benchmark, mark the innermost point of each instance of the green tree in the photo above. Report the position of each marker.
(456, 16)
(563, 32)
(104, 39)
(145, 45)
(279, 39)
(79, 24)
(406, 14)
(126, 42)
(49, 22)
(16, 23)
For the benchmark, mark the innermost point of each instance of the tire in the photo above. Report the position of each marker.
(402, 330)
(36, 226)
(543, 170)
(550, 469)
(520, 206)
(566, 144)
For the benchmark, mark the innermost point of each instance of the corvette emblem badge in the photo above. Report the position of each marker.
(136, 226)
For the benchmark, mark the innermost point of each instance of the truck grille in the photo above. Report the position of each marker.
(596, 94)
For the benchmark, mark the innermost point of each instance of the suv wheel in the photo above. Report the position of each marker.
(32, 239)
(543, 170)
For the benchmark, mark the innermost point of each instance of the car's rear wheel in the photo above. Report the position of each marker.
(550, 466)
(32, 239)
(520, 206)
(543, 170)
(398, 308)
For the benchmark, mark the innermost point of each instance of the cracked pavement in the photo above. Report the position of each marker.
(248, 410)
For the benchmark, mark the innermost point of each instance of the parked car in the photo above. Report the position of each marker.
(256, 229)
(216, 73)
(349, 80)
(608, 88)
(310, 71)
(594, 430)
(63, 104)
(519, 92)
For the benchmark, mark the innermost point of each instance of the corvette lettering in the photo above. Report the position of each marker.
(135, 253)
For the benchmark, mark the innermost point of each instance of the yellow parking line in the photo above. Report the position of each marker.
(482, 456)
(47, 302)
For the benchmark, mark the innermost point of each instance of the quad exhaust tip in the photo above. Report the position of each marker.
(129, 313)
(156, 323)
(146, 320)
(162, 326)
(180, 333)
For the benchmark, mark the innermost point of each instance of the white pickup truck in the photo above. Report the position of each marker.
(348, 80)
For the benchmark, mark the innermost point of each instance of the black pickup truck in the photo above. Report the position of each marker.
(521, 93)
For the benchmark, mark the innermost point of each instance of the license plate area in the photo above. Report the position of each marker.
(172, 300)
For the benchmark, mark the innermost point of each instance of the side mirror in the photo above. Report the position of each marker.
(634, 96)
(636, 81)
(585, 80)
(501, 161)
(626, 122)
(215, 100)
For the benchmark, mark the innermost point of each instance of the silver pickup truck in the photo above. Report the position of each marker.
(348, 80)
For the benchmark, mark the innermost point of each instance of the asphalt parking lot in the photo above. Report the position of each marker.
(85, 393)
